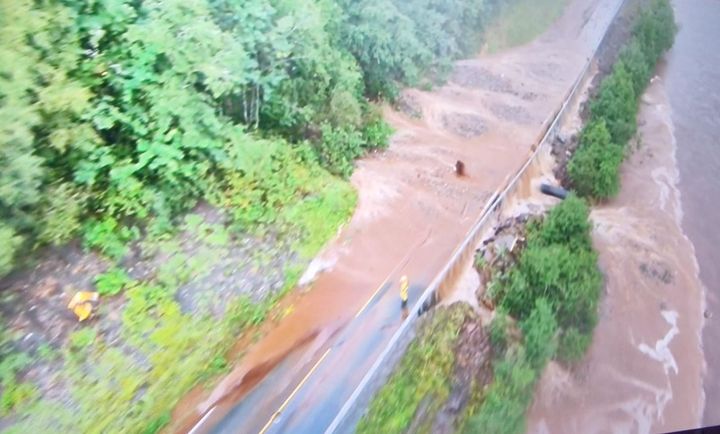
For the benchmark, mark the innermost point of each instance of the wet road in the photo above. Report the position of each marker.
(412, 213)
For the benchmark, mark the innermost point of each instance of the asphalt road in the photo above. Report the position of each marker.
(332, 373)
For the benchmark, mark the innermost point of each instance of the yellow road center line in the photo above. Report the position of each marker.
(297, 388)
(315, 366)
(371, 297)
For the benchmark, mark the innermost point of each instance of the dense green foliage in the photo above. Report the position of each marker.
(136, 109)
(594, 168)
(558, 268)
(553, 291)
(126, 110)
(594, 165)
(397, 41)
(503, 409)
(539, 332)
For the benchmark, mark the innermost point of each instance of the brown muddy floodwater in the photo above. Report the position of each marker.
(412, 212)
(647, 369)
(643, 371)
(693, 86)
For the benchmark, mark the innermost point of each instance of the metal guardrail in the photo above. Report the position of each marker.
(375, 377)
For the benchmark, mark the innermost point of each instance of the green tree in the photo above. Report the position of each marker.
(384, 42)
(637, 64)
(594, 168)
(567, 223)
(655, 29)
(616, 103)
(539, 333)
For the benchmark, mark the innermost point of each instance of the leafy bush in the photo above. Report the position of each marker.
(634, 59)
(573, 345)
(376, 132)
(62, 214)
(504, 407)
(11, 364)
(16, 395)
(499, 332)
(339, 148)
(108, 237)
(655, 29)
(568, 279)
(566, 224)
(82, 339)
(616, 103)
(10, 242)
(594, 168)
(539, 334)
(158, 423)
(555, 284)
(553, 290)
(112, 282)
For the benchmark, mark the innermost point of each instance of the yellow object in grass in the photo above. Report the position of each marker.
(81, 304)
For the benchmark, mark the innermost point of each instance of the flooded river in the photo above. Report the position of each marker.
(652, 366)
(693, 85)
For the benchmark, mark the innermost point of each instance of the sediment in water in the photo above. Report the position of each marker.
(643, 371)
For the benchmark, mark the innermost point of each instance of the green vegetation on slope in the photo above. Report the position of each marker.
(121, 381)
(553, 292)
(421, 376)
(116, 112)
(124, 110)
(118, 117)
(521, 21)
(594, 168)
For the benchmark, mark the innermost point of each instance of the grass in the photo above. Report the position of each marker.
(317, 217)
(132, 383)
(422, 376)
(521, 21)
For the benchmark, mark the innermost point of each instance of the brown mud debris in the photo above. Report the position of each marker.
(467, 125)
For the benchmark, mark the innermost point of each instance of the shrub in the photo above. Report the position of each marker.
(655, 29)
(559, 267)
(376, 132)
(16, 395)
(594, 168)
(339, 148)
(61, 219)
(503, 410)
(637, 64)
(112, 282)
(158, 423)
(10, 242)
(499, 332)
(83, 338)
(108, 237)
(11, 364)
(539, 330)
(616, 104)
(567, 223)
(573, 344)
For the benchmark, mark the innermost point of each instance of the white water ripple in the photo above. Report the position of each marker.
(661, 352)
